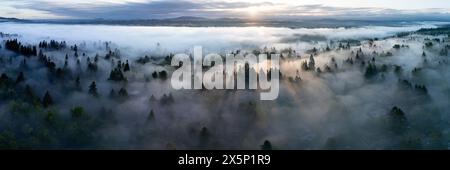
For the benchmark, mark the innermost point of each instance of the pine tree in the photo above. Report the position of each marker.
(29, 91)
(266, 145)
(78, 84)
(398, 120)
(29, 94)
(151, 116)
(116, 75)
(4, 80)
(47, 100)
(127, 67)
(112, 93)
(371, 71)
(155, 75)
(304, 66)
(163, 75)
(123, 92)
(23, 64)
(152, 98)
(20, 78)
(93, 89)
(312, 63)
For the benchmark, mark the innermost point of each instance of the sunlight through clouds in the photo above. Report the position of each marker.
(147, 9)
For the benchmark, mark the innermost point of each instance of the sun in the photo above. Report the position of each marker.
(259, 12)
(253, 12)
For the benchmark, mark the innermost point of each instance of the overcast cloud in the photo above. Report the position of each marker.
(148, 9)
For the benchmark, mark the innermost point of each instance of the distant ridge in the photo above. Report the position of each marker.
(193, 21)
(3, 19)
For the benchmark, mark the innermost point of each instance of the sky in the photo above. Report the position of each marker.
(150, 9)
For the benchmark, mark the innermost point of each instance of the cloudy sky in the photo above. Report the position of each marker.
(146, 9)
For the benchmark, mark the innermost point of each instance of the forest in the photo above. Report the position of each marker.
(386, 92)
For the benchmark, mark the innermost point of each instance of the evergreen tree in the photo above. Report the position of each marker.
(266, 145)
(204, 133)
(163, 75)
(29, 94)
(318, 70)
(127, 67)
(78, 84)
(23, 64)
(371, 71)
(47, 100)
(95, 58)
(123, 92)
(152, 98)
(112, 93)
(151, 116)
(155, 75)
(398, 121)
(116, 75)
(312, 63)
(5, 80)
(77, 112)
(92, 66)
(93, 89)
(304, 66)
(20, 78)
(29, 91)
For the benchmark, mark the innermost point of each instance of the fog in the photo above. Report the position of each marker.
(179, 39)
(346, 105)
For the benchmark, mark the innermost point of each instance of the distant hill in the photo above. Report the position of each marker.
(442, 30)
(189, 21)
(3, 19)
(192, 21)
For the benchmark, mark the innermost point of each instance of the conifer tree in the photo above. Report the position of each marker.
(20, 78)
(93, 89)
(78, 84)
(123, 92)
(127, 67)
(151, 116)
(47, 100)
(266, 145)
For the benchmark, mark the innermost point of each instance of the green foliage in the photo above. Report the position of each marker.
(8, 140)
(51, 118)
(77, 112)
(28, 126)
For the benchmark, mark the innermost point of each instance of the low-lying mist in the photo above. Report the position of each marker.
(108, 87)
